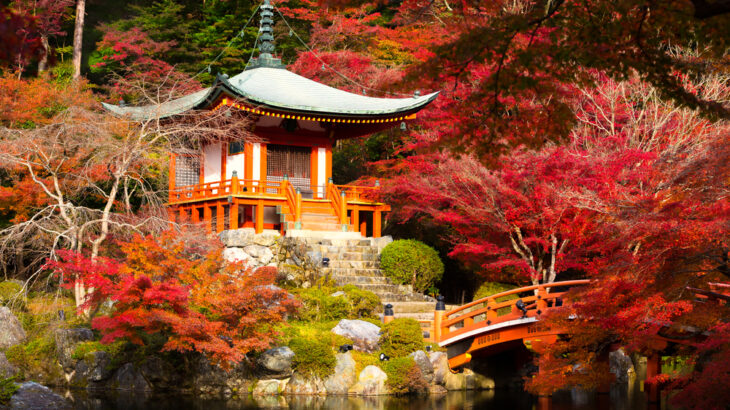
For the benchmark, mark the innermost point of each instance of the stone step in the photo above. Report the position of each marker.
(338, 264)
(355, 271)
(357, 280)
(414, 307)
(353, 256)
(336, 250)
(402, 297)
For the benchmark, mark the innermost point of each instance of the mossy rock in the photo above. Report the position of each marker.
(36, 360)
(401, 337)
(319, 304)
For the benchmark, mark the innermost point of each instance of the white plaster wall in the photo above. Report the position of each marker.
(212, 162)
(256, 161)
(321, 170)
(235, 163)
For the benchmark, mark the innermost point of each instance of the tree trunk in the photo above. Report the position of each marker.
(78, 37)
(43, 64)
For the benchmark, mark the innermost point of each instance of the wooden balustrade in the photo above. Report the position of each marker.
(488, 311)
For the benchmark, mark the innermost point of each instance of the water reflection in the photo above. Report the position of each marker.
(620, 398)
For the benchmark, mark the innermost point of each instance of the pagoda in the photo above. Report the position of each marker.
(283, 182)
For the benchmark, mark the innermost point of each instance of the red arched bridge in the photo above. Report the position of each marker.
(505, 317)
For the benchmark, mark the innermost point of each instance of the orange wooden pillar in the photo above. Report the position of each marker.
(233, 214)
(363, 228)
(355, 216)
(388, 315)
(377, 215)
(259, 226)
(195, 214)
(220, 218)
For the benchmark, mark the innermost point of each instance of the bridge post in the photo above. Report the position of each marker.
(653, 368)
(388, 314)
(438, 316)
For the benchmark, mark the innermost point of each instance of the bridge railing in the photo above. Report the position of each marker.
(489, 311)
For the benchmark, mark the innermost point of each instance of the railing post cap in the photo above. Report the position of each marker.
(388, 310)
(330, 180)
(298, 190)
(286, 177)
(440, 304)
(377, 182)
(234, 174)
(342, 193)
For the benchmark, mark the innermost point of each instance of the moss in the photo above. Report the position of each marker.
(411, 262)
(404, 375)
(401, 337)
(7, 389)
(11, 295)
(35, 359)
(312, 357)
(363, 360)
(85, 350)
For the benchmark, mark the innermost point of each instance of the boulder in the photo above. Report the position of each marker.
(237, 255)
(270, 387)
(364, 335)
(66, 341)
(159, 373)
(344, 376)
(261, 254)
(34, 396)
(6, 369)
(621, 365)
(11, 331)
(371, 382)
(128, 377)
(265, 239)
(437, 389)
(424, 364)
(237, 237)
(276, 362)
(208, 379)
(381, 242)
(440, 365)
(99, 364)
(455, 381)
(309, 386)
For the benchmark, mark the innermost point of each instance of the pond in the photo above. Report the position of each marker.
(620, 398)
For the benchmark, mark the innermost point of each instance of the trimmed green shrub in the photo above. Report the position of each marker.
(318, 304)
(401, 337)
(410, 262)
(7, 389)
(312, 357)
(363, 303)
(404, 376)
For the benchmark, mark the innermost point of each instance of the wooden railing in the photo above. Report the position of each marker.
(339, 202)
(488, 311)
(293, 200)
(233, 186)
(359, 193)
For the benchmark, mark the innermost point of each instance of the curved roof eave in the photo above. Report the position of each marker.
(206, 97)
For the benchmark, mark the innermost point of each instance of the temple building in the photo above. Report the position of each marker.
(283, 182)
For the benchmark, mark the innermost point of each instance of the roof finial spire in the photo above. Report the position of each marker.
(266, 39)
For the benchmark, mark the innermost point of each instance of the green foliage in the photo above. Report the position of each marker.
(401, 337)
(313, 357)
(492, 288)
(318, 305)
(11, 294)
(411, 262)
(7, 389)
(404, 375)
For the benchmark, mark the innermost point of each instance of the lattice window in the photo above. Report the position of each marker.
(187, 170)
(292, 161)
